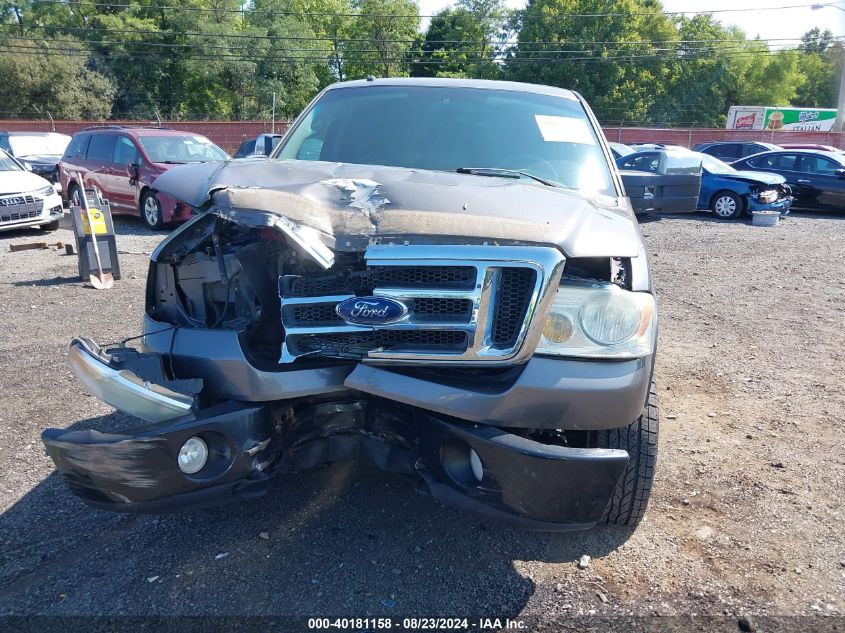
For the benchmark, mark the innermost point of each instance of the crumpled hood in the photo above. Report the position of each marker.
(756, 176)
(345, 201)
(42, 159)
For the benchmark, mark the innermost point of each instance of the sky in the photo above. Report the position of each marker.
(760, 19)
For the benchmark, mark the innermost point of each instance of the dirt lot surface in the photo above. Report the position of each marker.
(746, 520)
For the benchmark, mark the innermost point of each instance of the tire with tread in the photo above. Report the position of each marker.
(149, 199)
(630, 498)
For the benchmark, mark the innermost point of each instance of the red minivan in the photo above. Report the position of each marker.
(123, 162)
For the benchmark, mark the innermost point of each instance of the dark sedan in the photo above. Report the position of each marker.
(729, 151)
(817, 178)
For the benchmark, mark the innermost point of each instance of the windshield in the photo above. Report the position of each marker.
(38, 145)
(7, 164)
(189, 148)
(715, 166)
(430, 127)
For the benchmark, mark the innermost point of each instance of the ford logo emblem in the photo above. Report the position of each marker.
(371, 310)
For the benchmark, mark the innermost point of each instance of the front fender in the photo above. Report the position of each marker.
(172, 210)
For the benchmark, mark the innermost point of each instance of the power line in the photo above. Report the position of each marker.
(469, 47)
(250, 12)
(35, 51)
(109, 30)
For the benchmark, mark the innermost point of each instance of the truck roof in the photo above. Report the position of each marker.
(479, 84)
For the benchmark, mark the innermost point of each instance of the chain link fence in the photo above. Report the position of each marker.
(227, 134)
(688, 137)
(230, 134)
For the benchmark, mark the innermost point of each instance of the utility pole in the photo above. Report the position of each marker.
(273, 116)
(840, 102)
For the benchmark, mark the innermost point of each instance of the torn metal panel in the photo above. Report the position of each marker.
(364, 194)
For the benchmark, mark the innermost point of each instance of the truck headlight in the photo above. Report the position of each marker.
(599, 320)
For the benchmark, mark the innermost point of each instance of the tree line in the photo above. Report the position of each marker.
(220, 59)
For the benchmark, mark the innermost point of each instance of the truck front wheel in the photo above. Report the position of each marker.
(630, 498)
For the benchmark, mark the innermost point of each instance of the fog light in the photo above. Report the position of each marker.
(475, 464)
(192, 456)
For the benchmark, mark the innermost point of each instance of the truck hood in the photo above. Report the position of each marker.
(756, 176)
(350, 205)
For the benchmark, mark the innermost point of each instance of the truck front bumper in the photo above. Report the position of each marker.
(548, 393)
(512, 478)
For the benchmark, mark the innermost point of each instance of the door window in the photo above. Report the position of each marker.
(819, 165)
(4, 144)
(125, 152)
(728, 150)
(101, 147)
(781, 162)
(786, 162)
(77, 145)
(642, 162)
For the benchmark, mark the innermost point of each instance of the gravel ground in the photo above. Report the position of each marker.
(746, 519)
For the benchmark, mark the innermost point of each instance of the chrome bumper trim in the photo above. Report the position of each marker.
(123, 389)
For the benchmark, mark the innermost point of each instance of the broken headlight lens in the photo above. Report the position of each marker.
(596, 320)
(768, 196)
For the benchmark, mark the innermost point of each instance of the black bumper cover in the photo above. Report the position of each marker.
(537, 486)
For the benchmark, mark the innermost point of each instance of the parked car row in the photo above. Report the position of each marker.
(768, 178)
(123, 162)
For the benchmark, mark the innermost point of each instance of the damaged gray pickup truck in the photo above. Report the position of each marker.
(440, 278)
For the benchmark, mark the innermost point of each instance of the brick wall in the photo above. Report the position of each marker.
(230, 134)
(690, 137)
(226, 134)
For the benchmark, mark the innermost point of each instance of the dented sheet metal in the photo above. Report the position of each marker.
(350, 205)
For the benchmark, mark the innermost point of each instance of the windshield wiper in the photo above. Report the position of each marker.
(504, 173)
(171, 162)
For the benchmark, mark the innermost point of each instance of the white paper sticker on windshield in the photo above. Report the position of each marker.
(563, 129)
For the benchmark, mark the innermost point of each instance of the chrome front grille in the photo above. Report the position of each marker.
(467, 304)
(20, 207)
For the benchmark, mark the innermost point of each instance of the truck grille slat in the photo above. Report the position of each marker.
(463, 304)
(344, 344)
(363, 282)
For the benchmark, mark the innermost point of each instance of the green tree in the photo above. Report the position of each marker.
(464, 41)
(381, 37)
(610, 60)
(821, 64)
(52, 80)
